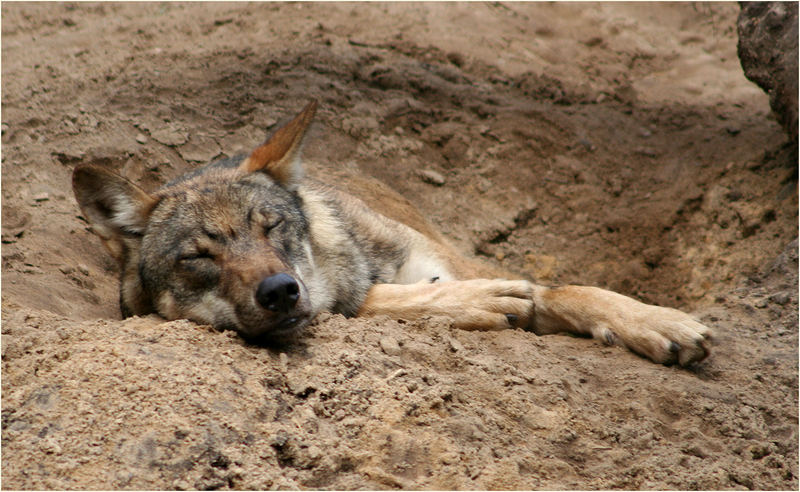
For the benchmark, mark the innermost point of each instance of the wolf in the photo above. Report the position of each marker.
(251, 244)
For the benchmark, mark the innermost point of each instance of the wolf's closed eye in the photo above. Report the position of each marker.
(195, 256)
(264, 218)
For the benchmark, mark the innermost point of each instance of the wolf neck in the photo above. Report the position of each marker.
(353, 248)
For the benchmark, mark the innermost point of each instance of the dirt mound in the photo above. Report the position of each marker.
(616, 145)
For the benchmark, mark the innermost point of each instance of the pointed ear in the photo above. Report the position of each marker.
(116, 208)
(280, 155)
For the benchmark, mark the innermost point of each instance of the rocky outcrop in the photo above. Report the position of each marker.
(768, 52)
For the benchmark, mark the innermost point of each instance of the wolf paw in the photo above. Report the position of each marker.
(661, 334)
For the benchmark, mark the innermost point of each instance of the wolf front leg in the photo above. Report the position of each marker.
(664, 335)
(471, 304)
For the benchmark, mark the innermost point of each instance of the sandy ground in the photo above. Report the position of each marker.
(616, 145)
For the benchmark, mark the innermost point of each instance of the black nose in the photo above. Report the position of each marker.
(278, 293)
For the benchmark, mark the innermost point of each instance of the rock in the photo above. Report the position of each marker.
(141, 138)
(390, 346)
(200, 149)
(396, 374)
(512, 380)
(432, 177)
(592, 41)
(785, 264)
(768, 52)
(50, 446)
(14, 219)
(587, 144)
(781, 298)
(654, 255)
(455, 345)
(171, 135)
(646, 151)
(752, 216)
(360, 127)
(456, 59)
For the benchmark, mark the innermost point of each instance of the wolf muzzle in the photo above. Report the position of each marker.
(278, 293)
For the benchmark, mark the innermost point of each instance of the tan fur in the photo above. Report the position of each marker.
(477, 304)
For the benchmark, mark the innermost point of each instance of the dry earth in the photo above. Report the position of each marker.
(616, 145)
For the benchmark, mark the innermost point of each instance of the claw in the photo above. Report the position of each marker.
(512, 319)
(695, 356)
(674, 347)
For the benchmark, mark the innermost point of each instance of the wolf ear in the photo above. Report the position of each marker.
(116, 208)
(279, 156)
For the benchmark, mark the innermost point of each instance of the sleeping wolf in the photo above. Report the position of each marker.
(250, 244)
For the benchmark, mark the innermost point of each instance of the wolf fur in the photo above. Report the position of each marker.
(251, 244)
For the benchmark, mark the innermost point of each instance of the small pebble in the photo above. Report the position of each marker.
(396, 374)
(432, 177)
(181, 485)
(50, 446)
(593, 41)
(455, 345)
(647, 152)
(390, 346)
(780, 298)
(141, 138)
(512, 380)
(456, 59)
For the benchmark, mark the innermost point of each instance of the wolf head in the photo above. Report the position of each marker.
(225, 245)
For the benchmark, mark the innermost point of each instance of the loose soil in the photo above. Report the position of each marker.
(616, 145)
